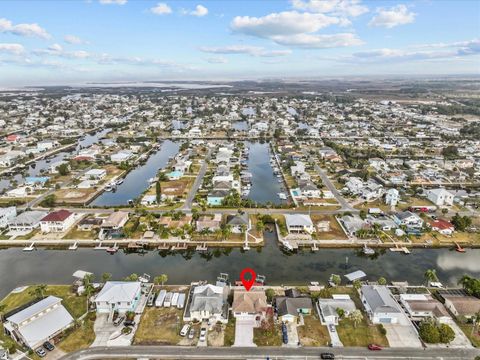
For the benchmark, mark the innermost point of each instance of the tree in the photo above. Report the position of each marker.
(461, 222)
(106, 277)
(2, 310)
(450, 152)
(49, 201)
(471, 285)
(429, 332)
(63, 169)
(161, 279)
(382, 281)
(270, 294)
(340, 312)
(355, 316)
(357, 284)
(158, 192)
(430, 276)
(446, 333)
(132, 277)
(336, 279)
(226, 231)
(39, 291)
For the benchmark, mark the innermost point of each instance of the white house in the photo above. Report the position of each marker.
(208, 302)
(39, 322)
(95, 174)
(380, 305)
(57, 221)
(121, 296)
(328, 308)
(420, 306)
(440, 197)
(121, 156)
(6, 215)
(26, 221)
(299, 223)
(392, 197)
(409, 219)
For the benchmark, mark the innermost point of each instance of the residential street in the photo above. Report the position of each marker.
(176, 352)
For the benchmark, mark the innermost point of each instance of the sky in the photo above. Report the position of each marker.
(80, 41)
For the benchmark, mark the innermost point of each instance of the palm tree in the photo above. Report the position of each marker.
(431, 276)
(161, 279)
(106, 277)
(464, 281)
(2, 310)
(382, 281)
(476, 320)
(226, 231)
(357, 284)
(38, 291)
(356, 316)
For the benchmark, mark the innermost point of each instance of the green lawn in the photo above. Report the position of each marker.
(361, 335)
(474, 337)
(76, 305)
(229, 336)
(268, 334)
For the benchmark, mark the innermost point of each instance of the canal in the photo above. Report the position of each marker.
(137, 180)
(56, 266)
(265, 185)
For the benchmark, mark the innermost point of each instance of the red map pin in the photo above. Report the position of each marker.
(248, 283)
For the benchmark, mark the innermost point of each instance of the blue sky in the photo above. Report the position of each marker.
(69, 42)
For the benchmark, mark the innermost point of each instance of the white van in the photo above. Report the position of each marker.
(184, 330)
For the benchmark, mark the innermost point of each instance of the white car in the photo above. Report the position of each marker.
(184, 330)
(203, 334)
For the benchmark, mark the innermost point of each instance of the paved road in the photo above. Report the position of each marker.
(197, 183)
(210, 353)
(325, 179)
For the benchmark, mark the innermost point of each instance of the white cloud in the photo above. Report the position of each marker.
(321, 41)
(348, 8)
(6, 26)
(199, 11)
(57, 50)
(161, 9)
(15, 49)
(72, 39)
(217, 60)
(394, 16)
(245, 49)
(113, 2)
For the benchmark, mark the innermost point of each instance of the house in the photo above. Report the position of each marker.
(392, 197)
(419, 306)
(39, 322)
(460, 303)
(299, 223)
(89, 223)
(149, 200)
(195, 132)
(208, 222)
(328, 308)
(440, 197)
(46, 145)
(115, 220)
(6, 215)
(239, 222)
(36, 181)
(95, 174)
(174, 175)
(121, 156)
(380, 305)
(57, 221)
(208, 302)
(444, 227)
(288, 308)
(215, 197)
(55, 165)
(121, 296)
(408, 219)
(249, 305)
(26, 221)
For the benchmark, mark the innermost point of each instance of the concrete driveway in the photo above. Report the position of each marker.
(402, 336)
(244, 332)
(334, 338)
(292, 335)
(103, 330)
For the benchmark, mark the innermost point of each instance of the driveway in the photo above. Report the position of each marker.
(402, 336)
(103, 330)
(292, 335)
(244, 332)
(334, 338)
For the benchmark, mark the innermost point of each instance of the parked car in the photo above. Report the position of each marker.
(284, 333)
(374, 347)
(41, 352)
(129, 323)
(191, 334)
(203, 334)
(48, 345)
(118, 320)
(329, 356)
(184, 330)
(151, 300)
(331, 327)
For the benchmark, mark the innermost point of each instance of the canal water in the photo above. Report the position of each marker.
(57, 266)
(137, 180)
(265, 186)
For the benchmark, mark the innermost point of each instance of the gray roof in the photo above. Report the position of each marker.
(298, 220)
(28, 218)
(329, 307)
(239, 219)
(208, 298)
(286, 305)
(379, 299)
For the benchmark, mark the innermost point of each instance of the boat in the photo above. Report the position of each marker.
(368, 251)
(152, 180)
(145, 278)
(174, 299)
(112, 249)
(458, 248)
(108, 188)
(287, 245)
(119, 182)
(282, 196)
(330, 280)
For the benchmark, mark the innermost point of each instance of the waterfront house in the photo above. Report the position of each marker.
(380, 305)
(115, 220)
(215, 197)
(299, 224)
(121, 296)
(392, 197)
(408, 219)
(36, 181)
(39, 322)
(238, 222)
(174, 223)
(26, 221)
(55, 165)
(57, 221)
(121, 156)
(419, 306)
(249, 305)
(6, 215)
(148, 200)
(95, 174)
(459, 302)
(207, 302)
(444, 227)
(290, 307)
(440, 197)
(328, 308)
(212, 223)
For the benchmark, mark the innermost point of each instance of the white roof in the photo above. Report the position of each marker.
(118, 291)
(80, 274)
(298, 220)
(34, 309)
(356, 275)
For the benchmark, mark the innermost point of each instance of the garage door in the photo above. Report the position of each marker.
(385, 320)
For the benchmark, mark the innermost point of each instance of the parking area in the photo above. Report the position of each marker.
(402, 336)
(244, 332)
(334, 338)
(292, 335)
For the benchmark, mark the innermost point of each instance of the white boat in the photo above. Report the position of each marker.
(368, 251)
(181, 301)
(119, 182)
(152, 180)
(145, 278)
(168, 299)
(160, 298)
(287, 245)
(174, 299)
(282, 196)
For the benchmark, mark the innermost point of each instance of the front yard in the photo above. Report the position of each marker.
(313, 333)
(81, 337)
(360, 335)
(269, 334)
